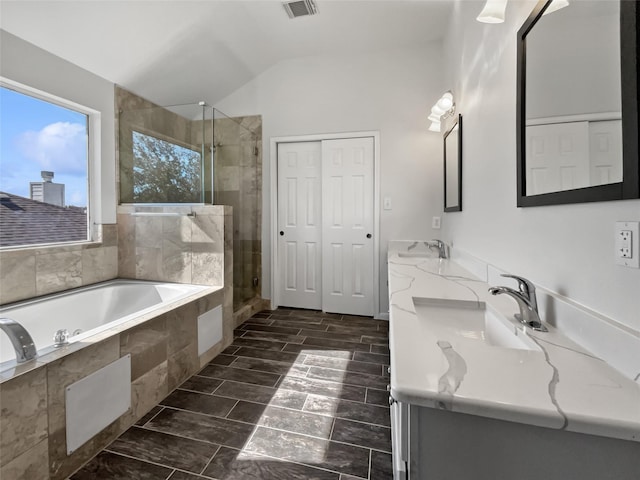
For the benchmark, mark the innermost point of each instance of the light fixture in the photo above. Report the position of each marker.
(493, 11)
(556, 5)
(441, 110)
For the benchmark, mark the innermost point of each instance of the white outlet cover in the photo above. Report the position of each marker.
(435, 223)
(634, 260)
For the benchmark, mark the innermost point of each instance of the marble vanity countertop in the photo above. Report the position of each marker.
(557, 384)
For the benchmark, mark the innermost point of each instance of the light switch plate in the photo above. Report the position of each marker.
(627, 244)
(435, 223)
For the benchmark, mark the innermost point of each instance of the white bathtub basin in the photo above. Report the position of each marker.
(472, 321)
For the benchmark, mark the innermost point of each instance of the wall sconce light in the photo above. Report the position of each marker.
(443, 109)
(556, 5)
(493, 11)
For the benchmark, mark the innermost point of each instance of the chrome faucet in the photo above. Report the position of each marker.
(526, 299)
(441, 246)
(20, 338)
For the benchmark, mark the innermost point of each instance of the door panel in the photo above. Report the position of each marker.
(347, 220)
(557, 157)
(325, 211)
(299, 224)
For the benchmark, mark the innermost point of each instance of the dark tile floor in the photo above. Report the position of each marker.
(298, 395)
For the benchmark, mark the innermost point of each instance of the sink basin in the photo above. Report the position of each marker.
(416, 255)
(472, 321)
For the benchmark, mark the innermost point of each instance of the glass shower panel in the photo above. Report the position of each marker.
(238, 182)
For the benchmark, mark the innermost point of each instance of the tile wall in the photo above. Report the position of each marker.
(184, 244)
(34, 271)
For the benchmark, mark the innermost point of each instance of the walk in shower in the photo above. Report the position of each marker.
(195, 154)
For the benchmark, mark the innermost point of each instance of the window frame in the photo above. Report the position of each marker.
(94, 128)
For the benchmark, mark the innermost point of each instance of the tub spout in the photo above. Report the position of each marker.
(20, 338)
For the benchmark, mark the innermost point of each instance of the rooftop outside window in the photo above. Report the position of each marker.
(43, 170)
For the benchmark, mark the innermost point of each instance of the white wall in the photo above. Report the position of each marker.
(391, 92)
(568, 249)
(29, 65)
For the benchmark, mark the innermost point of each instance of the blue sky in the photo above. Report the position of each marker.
(37, 135)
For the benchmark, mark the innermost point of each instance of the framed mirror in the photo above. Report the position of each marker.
(577, 103)
(453, 167)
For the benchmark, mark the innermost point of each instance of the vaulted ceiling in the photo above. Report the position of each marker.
(184, 51)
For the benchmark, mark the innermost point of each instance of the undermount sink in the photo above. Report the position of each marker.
(416, 255)
(473, 321)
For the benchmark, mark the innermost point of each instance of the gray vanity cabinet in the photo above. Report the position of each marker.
(435, 444)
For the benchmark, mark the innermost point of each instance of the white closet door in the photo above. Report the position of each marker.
(300, 224)
(347, 218)
(557, 157)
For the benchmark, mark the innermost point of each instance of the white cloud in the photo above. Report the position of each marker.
(60, 147)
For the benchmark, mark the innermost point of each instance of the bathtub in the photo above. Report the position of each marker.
(86, 311)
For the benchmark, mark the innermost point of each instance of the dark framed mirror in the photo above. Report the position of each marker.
(453, 167)
(577, 103)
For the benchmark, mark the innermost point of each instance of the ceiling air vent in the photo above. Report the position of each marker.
(300, 8)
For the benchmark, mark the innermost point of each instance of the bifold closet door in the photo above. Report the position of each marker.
(347, 226)
(300, 224)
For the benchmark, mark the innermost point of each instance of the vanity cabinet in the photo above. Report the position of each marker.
(447, 445)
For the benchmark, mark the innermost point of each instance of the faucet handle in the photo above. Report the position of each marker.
(441, 246)
(525, 286)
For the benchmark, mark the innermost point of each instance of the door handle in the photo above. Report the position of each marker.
(281, 233)
(368, 235)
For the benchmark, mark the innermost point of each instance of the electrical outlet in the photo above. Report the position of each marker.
(627, 243)
(386, 203)
(435, 223)
(625, 237)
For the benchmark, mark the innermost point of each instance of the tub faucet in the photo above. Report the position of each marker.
(441, 246)
(20, 338)
(525, 297)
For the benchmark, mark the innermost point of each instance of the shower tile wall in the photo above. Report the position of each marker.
(184, 249)
(31, 272)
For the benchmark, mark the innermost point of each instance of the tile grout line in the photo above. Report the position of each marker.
(157, 464)
(210, 460)
(263, 426)
(316, 467)
(154, 416)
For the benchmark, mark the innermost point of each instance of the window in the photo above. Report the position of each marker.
(165, 172)
(44, 168)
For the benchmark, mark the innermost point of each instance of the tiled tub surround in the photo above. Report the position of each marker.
(40, 270)
(298, 395)
(163, 345)
(560, 386)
